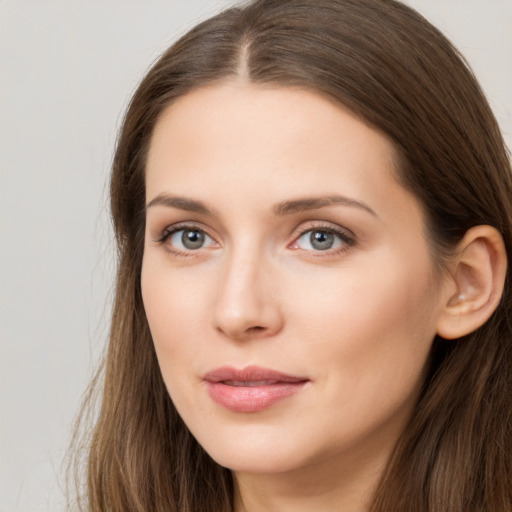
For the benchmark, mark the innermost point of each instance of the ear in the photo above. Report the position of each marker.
(477, 277)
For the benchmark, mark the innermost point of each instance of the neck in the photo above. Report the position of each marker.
(329, 486)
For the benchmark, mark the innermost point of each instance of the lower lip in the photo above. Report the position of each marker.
(252, 398)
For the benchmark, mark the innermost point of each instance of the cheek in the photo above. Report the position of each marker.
(175, 312)
(371, 326)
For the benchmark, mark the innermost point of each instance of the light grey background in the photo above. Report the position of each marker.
(67, 68)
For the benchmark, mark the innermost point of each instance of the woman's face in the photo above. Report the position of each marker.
(286, 279)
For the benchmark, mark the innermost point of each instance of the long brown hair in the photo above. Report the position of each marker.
(391, 68)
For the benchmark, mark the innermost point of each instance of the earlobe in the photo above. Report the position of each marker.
(478, 273)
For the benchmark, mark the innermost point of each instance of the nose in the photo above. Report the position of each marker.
(247, 304)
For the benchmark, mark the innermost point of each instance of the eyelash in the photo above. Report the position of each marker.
(170, 231)
(345, 236)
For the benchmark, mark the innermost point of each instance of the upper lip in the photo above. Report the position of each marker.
(250, 374)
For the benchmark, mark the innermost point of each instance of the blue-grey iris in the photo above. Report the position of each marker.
(321, 240)
(192, 239)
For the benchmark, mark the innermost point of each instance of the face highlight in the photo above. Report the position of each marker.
(286, 279)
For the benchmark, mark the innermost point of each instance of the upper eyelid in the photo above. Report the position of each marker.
(180, 226)
(341, 235)
(322, 225)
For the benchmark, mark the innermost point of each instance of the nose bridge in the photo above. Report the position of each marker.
(246, 302)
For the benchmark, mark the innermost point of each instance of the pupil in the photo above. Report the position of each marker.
(192, 239)
(322, 240)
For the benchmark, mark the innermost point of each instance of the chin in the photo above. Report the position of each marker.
(254, 452)
(256, 461)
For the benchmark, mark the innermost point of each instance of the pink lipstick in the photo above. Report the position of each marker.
(251, 389)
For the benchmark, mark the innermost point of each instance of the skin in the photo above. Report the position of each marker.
(356, 320)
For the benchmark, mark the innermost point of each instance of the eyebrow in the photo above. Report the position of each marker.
(182, 203)
(280, 209)
(313, 203)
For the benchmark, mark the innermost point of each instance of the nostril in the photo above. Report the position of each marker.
(256, 331)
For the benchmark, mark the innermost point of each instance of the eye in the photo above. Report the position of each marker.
(322, 239)
(186, 239)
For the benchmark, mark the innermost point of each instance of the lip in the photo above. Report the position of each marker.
(251, 389)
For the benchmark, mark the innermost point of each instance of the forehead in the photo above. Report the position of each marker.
(238, 141)
(220, 115)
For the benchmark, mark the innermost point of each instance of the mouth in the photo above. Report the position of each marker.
(251, 389)
(250, 383)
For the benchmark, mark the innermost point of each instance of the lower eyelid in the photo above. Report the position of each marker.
(165, 240)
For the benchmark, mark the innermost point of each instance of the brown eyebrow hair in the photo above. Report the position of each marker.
(182, 203)
(312, 203)
(283, 208)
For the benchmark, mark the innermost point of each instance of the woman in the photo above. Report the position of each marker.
(311, 204)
